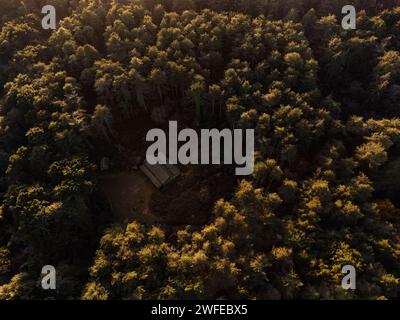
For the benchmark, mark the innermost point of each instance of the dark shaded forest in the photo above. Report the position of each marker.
(325, 106)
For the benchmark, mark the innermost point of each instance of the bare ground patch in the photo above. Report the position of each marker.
(129, 194)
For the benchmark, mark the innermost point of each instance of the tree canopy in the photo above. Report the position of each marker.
(324, 103)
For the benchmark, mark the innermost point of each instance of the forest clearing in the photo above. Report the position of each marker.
(128, 194)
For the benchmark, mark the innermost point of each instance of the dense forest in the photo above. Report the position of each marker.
(325, 106)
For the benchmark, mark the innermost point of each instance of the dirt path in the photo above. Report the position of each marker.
(129, 195)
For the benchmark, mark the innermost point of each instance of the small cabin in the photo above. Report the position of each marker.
(160, 174)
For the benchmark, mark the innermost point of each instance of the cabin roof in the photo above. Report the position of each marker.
(160, 174)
